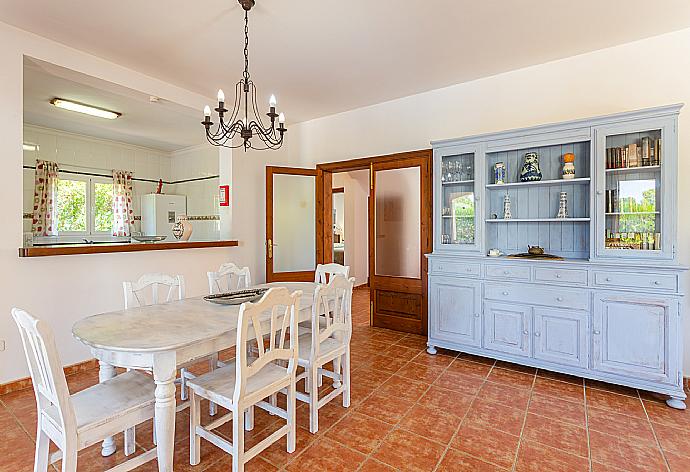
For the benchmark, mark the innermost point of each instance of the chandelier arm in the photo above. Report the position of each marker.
(257, 114)
(238, 102)
(265, 137)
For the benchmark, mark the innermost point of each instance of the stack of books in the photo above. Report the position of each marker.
(646, 153)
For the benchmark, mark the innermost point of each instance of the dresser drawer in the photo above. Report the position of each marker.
(538, 295)
(636, 281)
(456, 268)
(570, 276)
(507, 272)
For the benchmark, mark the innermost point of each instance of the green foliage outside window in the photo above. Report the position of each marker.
(103, 207)
(71, 205)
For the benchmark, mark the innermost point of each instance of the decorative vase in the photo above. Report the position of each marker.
(182, 230)
(562, 205)
(499, 173)
(568, 166)
(506, 208)
(530, 169)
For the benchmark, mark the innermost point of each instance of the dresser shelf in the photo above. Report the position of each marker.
(579, 180)
(633, 169)
(537, 220)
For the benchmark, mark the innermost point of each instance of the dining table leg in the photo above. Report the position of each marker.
(106, 372)
(164, 370)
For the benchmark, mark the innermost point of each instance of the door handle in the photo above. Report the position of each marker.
(269, 248)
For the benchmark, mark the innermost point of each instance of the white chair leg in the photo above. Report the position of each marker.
(292, 418)
(69, 458)
(184, 394)
(130, 441)
(194, 421)
(273, 400)
(213, 364)
(238, 440)
(320, 376)
(337, 370)
(307, 382)
(42, 449)
(314, 402)
(249, 418)
(346, 378)
(155, 441)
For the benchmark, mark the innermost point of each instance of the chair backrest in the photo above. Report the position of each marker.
(274, 318)
(332, 313)
(325, 272)
(228, 278)
(47, 376)
(136, 292)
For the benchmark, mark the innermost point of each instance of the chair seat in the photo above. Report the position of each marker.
(118, 396)
(327, 347)
(219, 385)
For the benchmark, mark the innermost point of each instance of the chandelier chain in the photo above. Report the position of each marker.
(246, 46)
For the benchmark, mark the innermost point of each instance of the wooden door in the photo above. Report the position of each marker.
(561, 336)
(291, 239)
(507, 328)
(399, 238)
(632, 336)
(457, 305)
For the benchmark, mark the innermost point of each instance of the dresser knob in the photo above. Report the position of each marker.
(525, 332)
(476, 315)
(656, 282)
(558, 276)
(608, 279)
(537, 333)
(559, 299)
(506, 272)
(596, 331)
(505, 293)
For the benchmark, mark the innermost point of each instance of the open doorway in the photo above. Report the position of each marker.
(350, 223)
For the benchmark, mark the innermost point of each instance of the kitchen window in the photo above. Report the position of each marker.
(84, 209)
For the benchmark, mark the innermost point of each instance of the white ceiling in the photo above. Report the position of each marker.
(165, 126)
(325, 56)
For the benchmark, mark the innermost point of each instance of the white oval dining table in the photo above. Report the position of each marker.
(159, 338)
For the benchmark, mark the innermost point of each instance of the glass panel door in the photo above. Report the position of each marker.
(635, 204)
(397, 222)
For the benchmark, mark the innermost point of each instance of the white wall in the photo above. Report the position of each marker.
(642, 74)
(356, 185)
(64, 289)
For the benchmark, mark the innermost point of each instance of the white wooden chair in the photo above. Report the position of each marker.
(328, 341)
(75, 422)
(246, 382)
(325, 272)
(229, 277)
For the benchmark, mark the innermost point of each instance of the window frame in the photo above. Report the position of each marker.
(91, 234)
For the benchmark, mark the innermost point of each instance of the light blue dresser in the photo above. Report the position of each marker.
(610, 309)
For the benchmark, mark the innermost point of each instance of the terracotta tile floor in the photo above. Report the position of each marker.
(415, 412)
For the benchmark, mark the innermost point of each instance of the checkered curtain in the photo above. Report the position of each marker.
(44, 222)
(123, 214)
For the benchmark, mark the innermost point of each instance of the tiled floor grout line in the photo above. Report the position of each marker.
(457, 430)
(589, 447)
(656, 438)
(524, 421)
(397, 425)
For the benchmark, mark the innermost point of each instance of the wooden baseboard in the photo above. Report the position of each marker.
(23, 384)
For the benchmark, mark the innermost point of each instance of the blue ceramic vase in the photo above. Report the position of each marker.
(530, 169)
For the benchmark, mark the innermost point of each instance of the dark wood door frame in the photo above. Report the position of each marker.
(324, 212)
(297, 276)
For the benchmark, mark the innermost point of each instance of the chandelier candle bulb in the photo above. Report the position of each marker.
(272, 102)
(207, 111)
(281, 118)
(221, 96)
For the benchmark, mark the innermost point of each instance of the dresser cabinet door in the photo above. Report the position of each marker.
(636, 337)
(507, 328)
(560, 336)
(455, 310)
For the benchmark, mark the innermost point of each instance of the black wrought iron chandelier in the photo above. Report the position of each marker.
(245, 91)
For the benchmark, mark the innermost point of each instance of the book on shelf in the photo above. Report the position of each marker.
(645, 154)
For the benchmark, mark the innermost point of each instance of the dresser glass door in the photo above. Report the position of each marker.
(633, 192)
(458, 213)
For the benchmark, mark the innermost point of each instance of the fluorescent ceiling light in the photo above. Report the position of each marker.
(82, 108)
(30, 147)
